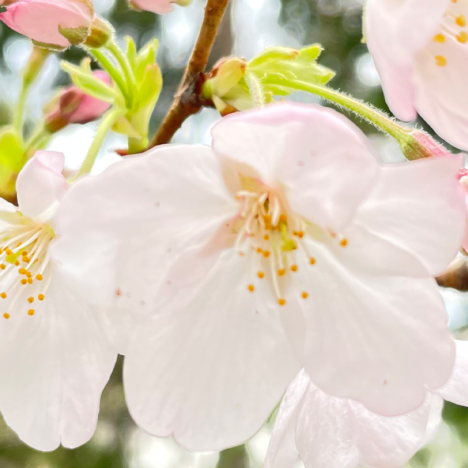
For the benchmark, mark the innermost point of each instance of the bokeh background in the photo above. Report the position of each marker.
(249, 27)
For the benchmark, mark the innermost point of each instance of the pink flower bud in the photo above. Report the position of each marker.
(72, 105)
(51, 23)
(157, 6)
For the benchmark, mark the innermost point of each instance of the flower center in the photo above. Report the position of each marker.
(454, 25)
(275, 235)
(24, 262)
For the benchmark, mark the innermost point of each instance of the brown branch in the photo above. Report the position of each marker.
(188, 100)
(456, 276)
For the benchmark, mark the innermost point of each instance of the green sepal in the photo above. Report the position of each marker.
(75, 36)
(87, 82)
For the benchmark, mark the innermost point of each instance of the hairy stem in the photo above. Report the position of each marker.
(374, 116)
(188, 100)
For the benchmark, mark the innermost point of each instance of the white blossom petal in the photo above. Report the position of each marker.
(40, 184)
(395, 32)
(417, 207)
(289, 144)
(211, 365)
(384, 339)
(120, 230)
(456, 389)
(332, 432)
(54, 367)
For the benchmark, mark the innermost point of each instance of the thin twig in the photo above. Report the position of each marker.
(187, 100)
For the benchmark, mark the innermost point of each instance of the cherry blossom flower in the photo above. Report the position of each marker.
(285, 245)
(422, 66)
(45, 21)
(330, 432)
(157, 6)
(54, 357)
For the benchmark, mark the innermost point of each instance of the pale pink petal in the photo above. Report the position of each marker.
(40, 19)
(381, 340)
(282, 450)
(40, 184)
(417, 208)
(331, 432)
(54, 366)
(288, 146)
(395, 32)
(218, 362)
(156, 6)
(456, 389)
(440, 90)
(120, 230)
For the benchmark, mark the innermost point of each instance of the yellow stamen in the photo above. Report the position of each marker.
(305, 295)
(41, 297)
(461, 21)
(281, 302)
(3, 295)
(39, 277)
(439, 38)
(251, 287)
(281, 272)
(6, 315)
(261, 275)
(463, 37)
(294, 268)
(312, 261)
(31, 312)
(30, 300)
(344, 242)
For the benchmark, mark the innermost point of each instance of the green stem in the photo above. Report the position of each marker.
(36, 140)
(128, 72)
(236, 457)
(376, 117)
(104, 127)
(19, 110)
(110, 68)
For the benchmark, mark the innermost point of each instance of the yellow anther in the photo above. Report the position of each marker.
(24, 281)
(41, 297)
(344, 242)
(299, 234)
(259, 250)
(39, 277)
(281, 272)
(17, 263)
(439, 38)
(2, 266)
(261, 275)
(1, 251)
(266, 237)
(3, 295)
(266, 254)
(267, 218)
(8, 251)
(30, 281)
(283, 218)
(294, 268)
(26, 259)
(461, 21)
(281, 302)
(305, 295)
(30, 300)
(6, 315)
(24, 253)
(251, 287)
(28, 274)
(31, 312)
(22, 271)
(312, 261)
(463, 37)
